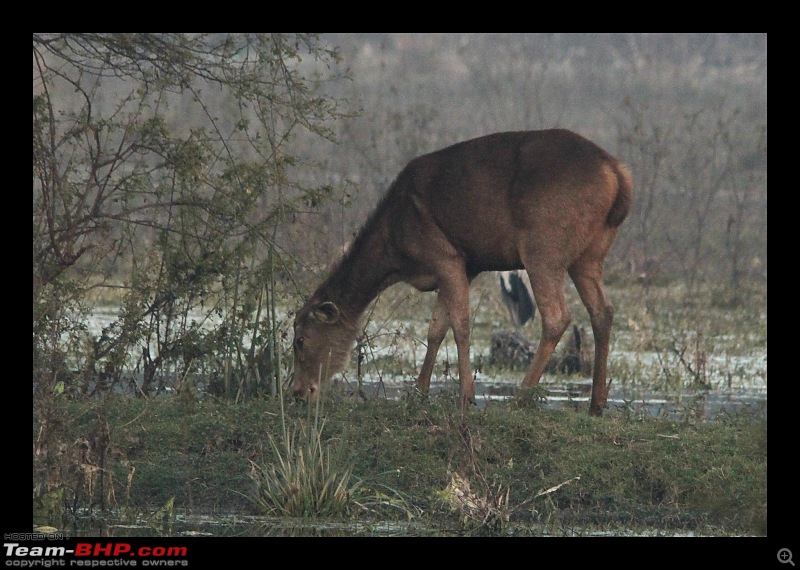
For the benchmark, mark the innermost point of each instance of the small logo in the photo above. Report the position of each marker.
(785, 556)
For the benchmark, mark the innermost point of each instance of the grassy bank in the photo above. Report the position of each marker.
(487, 471)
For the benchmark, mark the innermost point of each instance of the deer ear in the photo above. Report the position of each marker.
(326, 312)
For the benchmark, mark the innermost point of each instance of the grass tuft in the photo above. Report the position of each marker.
(307, 478)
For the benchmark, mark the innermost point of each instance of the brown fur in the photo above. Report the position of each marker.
(546, 201)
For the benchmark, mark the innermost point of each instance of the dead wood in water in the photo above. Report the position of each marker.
(511, 349)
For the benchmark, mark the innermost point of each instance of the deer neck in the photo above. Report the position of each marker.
(362, 274)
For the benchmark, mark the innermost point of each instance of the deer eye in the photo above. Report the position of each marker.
(298, 343)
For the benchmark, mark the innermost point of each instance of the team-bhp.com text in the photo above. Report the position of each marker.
(94, 555)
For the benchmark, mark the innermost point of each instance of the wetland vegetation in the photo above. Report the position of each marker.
(385, 460)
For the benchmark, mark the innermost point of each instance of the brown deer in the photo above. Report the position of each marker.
(549, 201)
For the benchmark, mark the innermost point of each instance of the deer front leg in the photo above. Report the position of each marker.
(454, 296)
(436, 333)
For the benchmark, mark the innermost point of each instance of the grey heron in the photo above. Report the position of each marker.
(515, 288)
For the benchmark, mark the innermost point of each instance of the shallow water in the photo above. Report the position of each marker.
(575, 393)
(731, 381)
(234, 525)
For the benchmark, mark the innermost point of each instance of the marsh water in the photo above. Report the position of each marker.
(643, 382)
(705, 401)
(236, 525)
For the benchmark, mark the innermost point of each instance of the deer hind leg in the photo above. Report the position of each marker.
(436, 333)
(549, 294)
(587, 274)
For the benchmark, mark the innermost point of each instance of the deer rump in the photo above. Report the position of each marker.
(549, 202)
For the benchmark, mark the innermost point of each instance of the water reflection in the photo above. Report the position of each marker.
(564, 392)
(259, 526)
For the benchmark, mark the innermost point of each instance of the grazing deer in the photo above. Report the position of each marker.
(549, 201)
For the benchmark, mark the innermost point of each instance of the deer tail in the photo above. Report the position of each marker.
(622, 203)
